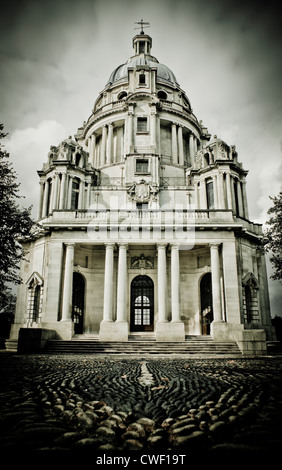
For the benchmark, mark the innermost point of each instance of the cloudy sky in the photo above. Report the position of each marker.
(57, 55)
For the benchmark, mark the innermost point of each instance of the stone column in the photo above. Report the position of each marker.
(41, 195)
(115, 148)
(191, 148)
(68, 280)
(109, 143)
(62, 192)
(216, 289)
(180, 145)
(195, 145)
(130, 116)
(118, 330)
(228, 191)
(153, 129)
(46, 198)
(231, 282)
(162, 287)
(173, 330)
(240, 199)
(233, 182)
(122, 284)
(122, 144)
(108, 283)
(175, 280)
(103, 146)
(221, 201)
(174, 143)
(245, 201)
(81, 195)
(91, 149)
(55, 191)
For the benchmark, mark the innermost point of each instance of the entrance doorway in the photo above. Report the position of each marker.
(206, 303)
(78, 302)
(142, 304)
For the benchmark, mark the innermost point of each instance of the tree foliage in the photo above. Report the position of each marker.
(274, 236)
(14, 224)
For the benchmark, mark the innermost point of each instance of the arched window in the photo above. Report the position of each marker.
(142, 304)
(207, 159)
(250, 299)
(35, 292)
(122, 95)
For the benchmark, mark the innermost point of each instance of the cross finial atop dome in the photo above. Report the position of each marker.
(143, 25)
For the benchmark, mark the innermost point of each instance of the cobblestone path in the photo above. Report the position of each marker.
(76, 402)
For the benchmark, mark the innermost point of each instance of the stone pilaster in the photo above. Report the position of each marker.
(180, 146)
(174, 143)
(216, 288)
(68, 280)
(108, 283)
(62, 191)
(174, 330)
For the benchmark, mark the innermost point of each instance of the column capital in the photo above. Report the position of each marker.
(214, 244)
(123, 245)
(174, 245)
(70, 244)
(162, 245)
(110, 245)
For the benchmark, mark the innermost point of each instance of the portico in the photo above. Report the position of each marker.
(163, 267)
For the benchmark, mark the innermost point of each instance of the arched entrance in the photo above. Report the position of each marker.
(206, 303)
(142, 304)
(78, 302)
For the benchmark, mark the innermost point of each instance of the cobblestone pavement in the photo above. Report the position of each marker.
(79, 403)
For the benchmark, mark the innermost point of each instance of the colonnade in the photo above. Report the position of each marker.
(122, 283)
(107, 151)
(229, 193)
(177, 145)
(56, 193)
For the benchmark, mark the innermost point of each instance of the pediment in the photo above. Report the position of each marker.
(35, 280)
(250, 280)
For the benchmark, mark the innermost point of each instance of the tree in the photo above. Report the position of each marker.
(15, 223)
(274, 236)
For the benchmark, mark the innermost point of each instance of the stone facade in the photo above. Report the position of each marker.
(144, 224)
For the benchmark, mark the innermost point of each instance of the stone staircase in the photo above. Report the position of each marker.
(143, 345)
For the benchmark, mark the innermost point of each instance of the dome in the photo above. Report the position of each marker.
(164, 74)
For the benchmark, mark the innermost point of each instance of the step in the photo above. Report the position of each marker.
(141, 346)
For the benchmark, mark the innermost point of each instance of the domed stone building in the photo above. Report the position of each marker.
(144, 225)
